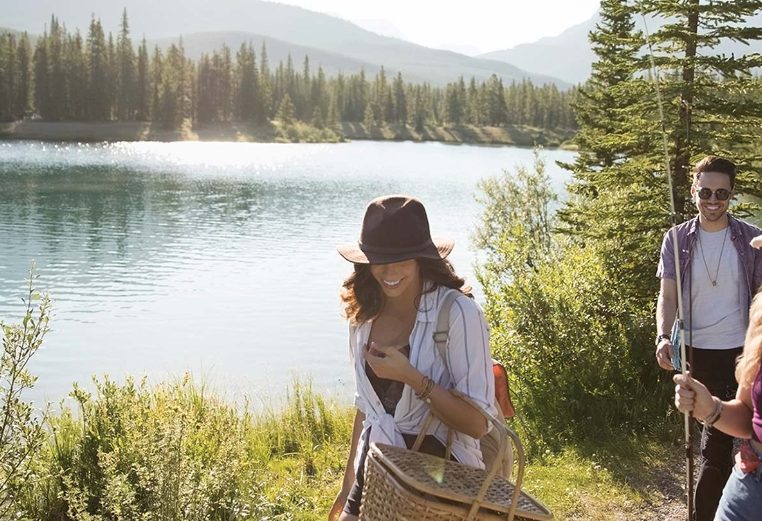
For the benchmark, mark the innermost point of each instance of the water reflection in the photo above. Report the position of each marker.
(212, 257)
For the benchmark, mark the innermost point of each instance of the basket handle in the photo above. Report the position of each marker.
(508, 433)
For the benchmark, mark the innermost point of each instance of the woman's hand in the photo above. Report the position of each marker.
(388, 362)
(756, 242)
(692, 395)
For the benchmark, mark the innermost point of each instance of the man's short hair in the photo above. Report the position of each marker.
(715, 164)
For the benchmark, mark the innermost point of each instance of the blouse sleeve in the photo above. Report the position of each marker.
(468, 353)
(359, 401)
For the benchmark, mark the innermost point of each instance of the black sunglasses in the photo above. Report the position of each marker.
(721, 194)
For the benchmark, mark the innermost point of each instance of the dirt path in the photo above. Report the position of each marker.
(667, 485)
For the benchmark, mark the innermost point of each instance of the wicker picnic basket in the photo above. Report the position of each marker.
(406, 485)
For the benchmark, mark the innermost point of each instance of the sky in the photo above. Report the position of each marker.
(471, 27)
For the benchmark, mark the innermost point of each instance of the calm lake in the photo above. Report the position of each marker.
(216, 259)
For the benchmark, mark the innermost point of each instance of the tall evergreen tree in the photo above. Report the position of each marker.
(8, 77)
(400, 100)
(42, 100)
(99, 98)
(59, 90)
(247, 82)
(265, 86)
(620, 197)
(224, 65)
(76, 74)
(286, 110)
(205, 108)
(143, 84)
(614, 197)
(157, 80)
(126, 81)
(24, 60)
(709, 106)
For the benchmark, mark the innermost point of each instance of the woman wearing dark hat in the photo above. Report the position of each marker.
(392, 301)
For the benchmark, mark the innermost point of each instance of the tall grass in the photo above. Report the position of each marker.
(176, 452)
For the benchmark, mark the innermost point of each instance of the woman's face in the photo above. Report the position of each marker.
(398, 279)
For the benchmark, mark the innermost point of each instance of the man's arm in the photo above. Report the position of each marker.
(666, 310)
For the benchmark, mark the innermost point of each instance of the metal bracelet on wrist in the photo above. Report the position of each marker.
(713, 416)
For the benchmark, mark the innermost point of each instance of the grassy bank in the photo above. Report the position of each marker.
(176, 452)
(279, 133)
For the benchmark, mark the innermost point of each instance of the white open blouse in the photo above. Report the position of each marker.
(468, 369)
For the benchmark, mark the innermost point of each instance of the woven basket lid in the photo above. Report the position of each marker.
(454, 481)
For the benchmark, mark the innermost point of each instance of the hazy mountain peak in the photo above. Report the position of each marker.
(569, 57)
(381, 27)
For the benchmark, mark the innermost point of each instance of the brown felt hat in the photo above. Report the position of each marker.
(395, 228)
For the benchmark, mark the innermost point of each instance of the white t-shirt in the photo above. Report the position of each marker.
(716, 309)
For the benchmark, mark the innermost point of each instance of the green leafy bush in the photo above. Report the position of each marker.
(577, 345)
(177, 452)
(21, 431)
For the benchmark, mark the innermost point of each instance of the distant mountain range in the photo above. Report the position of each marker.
(331, 42)
(568, 56)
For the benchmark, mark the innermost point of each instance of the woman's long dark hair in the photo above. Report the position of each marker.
(363, 297)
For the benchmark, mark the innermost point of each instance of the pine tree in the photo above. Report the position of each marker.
(112, 74)
(615, 199)
(494, 102)
(286, 110)
(24, 54)
(708, 100)
(319, 98)
(205, 109)
(333, 112)
(157, 80)
(380, 98)
(41, 77)
(368, 119)
(76, 73)
(265, 87)
(619, 193)
(317, 117)
(226, 84)
(126, 82)
(59, 90)
(419, 109)
(400, 100)
(304, 91)
(8, 77)
(247, 81)
(174, 91)
(99, 99)
(143, 84)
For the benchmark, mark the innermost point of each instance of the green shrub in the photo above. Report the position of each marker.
(577, 344)
(21, 433)
(177, 452)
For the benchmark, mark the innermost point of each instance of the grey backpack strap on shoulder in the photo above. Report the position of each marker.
(491, 442)
(442, 332)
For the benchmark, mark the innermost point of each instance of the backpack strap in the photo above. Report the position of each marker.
(442, 332)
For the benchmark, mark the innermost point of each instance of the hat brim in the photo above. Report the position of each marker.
(440, 248)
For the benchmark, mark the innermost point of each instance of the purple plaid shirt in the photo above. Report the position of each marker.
(740, 234)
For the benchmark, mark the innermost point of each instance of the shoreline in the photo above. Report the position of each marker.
(275, 132)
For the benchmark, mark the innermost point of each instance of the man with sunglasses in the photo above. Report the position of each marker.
(720, 272)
